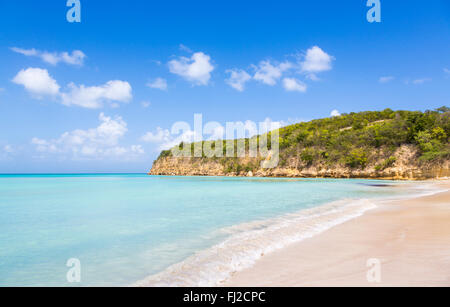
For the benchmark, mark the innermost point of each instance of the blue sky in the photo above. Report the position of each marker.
(75, 97)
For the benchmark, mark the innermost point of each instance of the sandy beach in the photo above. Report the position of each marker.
(409, 238)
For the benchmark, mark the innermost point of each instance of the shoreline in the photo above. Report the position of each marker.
(399, 178)
(409, 237)
(255, 240)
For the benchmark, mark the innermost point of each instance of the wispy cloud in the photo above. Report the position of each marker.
(420, 81)
(146, 104)
(294, 85)
(76, 57)
(7, 151)
(386, 79)
(237, 79)
(185, 48)
(158, 83)
(165, 140)
(161, 135)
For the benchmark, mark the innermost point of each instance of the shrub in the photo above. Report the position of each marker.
(350, 138)
(307, 156)
(165, 153)
(357, 158)
(386, 163)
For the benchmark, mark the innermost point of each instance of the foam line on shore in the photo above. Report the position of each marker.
(248, 242)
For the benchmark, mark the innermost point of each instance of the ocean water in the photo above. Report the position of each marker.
(129, 229)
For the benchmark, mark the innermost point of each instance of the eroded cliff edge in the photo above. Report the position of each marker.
(403, 169)
(384, 145)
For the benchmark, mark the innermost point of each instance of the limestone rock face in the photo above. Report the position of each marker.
(172, 166)
(406, 167)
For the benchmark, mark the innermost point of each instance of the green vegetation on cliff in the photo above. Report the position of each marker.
(351, 139)
(357, 140)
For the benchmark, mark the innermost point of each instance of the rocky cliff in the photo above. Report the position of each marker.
(405, 167)
(377, 144)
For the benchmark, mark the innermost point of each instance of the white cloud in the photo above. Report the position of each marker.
(8, 149)
(386, 79)
(158, 83)
(37, 81)
(75, 58)
(137, 149)
(294, 85)
(160, 136)
(335, 113)
(166, 140)
(26, 52)
(237, 79)
(6, 152)
(421, 81)
(316, 60)
(95, 143)
(268, 73)
(186, 137)
(146, 104)
(312, 77)
(447, 71)
(93, 97)
(185, 48)
(196, 69)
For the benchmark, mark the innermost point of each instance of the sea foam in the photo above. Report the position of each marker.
(248, 242)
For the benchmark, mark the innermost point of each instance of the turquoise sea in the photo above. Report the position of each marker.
(126, 228)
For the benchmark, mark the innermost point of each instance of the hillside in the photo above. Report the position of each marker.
(373, 144)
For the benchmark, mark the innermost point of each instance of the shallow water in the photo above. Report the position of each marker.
(126, 227)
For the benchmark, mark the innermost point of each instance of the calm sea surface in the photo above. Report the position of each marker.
(126, 227)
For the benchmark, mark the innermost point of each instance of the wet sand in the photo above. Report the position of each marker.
(409, 238)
